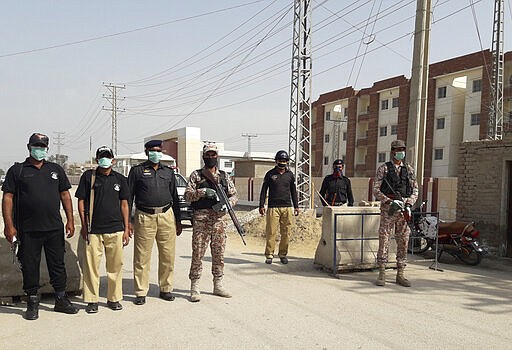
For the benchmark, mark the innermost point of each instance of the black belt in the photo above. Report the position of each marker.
(154, 210)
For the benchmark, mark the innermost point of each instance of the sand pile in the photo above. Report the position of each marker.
(307, 227)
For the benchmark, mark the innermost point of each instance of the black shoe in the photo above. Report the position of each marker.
(91, 308)
(284, 260)
(268, 261)
(114, 305)
(32, 312)
(167, 296)
(62, 304)
(139, 300)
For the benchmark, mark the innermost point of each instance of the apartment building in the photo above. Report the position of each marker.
(359, 126)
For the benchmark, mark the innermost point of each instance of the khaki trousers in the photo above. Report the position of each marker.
(278, 218)
(113, 245)
(147, 228)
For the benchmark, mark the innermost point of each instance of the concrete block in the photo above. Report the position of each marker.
(352, 253)
(11, 278)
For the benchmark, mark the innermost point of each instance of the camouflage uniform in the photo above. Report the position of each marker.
(395, 221)
(209, 226)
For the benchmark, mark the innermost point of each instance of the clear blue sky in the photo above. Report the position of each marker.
(194, 63)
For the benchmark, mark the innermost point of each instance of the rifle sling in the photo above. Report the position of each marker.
(91, 202)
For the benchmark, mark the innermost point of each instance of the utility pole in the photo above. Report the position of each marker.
(112, 99)
(249, 137)
(300, 101)
(419, 81)
(495, 126)
(58, 141)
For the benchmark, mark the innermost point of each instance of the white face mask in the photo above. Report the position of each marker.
(105, 163)
(400, 155)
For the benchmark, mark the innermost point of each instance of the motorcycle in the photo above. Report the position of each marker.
(459, 239)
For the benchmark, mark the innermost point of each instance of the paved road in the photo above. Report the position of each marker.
(286, 307)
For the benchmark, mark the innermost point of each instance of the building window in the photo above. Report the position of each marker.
(326, 138)
(440, 123)
(345, 136)
(327, 115)
(384, 104)
(441, 92)
(394, 102)
(477, 85)
(345, 112)
(394, 129)
(438, 154)
(382, 157)
(326, 160)
(383, 131)
(228, 164)
(475, 119)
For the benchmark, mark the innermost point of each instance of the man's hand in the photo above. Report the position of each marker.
(130, 229)
(70, 228)
(407, 213)
(84, 233)
(179, 228)
(209, 193)
(296, 211)
(262, 211)
(126, 237)
(10, 232)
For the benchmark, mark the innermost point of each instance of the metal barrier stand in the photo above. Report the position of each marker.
(435, 261)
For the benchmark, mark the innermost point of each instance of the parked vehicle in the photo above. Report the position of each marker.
(185, 207)
(457, 238)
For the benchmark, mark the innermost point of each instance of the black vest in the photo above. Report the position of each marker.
(207, 203)
(399, 183)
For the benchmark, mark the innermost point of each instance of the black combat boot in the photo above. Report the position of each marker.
(62, 304)
(32, 312)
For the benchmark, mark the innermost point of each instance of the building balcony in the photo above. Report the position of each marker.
(362, 141)
(364, 116)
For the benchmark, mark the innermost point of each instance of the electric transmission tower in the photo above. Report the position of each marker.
(58, 141)
(113, 99)
(249, 137)
(300, 101)
(495, 128)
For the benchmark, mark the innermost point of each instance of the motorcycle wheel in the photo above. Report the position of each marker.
(470, 256)
(418, 244)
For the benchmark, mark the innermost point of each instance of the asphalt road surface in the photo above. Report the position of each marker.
(294, 306)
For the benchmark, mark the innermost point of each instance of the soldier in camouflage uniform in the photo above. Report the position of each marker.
(396, 188)
(209, 221)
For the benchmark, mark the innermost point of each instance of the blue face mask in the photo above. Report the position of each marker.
(154, 156)
(400, 155)
(105, 162)
(38, 153)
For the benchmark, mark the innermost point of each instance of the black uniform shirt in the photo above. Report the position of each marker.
(109, 190)
(337, 189)
(154, 188)
(38, 205)
(281, 189)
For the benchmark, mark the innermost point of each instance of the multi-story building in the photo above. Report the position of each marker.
(359, 126)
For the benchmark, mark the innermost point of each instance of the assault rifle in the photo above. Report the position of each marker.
(224, 202)
(394, 207)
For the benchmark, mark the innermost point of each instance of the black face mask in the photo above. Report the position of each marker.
(210, 162)
(281, 165)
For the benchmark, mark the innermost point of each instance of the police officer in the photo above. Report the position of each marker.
(396, 188)
(279, 182)
(153, 188)
(33, 191)
(209, 220)
(105, 226)
(336, 189)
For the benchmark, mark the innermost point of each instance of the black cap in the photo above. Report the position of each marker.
(338, 162)
(104, 151)
(153, 143)
(282, 155)
(38, 139)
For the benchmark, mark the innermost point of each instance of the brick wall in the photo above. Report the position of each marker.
(483, 191)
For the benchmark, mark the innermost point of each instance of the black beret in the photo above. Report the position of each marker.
(153, 143)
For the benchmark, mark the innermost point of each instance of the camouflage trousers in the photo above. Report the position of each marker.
(389, 223)
(209, 228)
